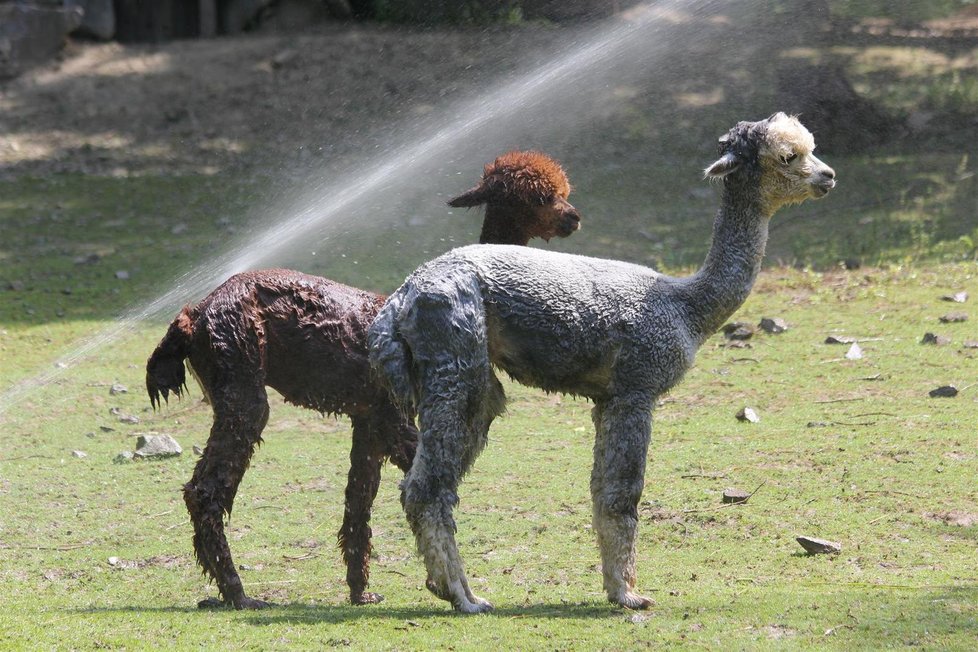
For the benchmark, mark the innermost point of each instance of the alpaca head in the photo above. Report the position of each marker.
(525, 194)
(775, 155)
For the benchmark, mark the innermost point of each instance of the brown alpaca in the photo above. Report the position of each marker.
(305, 336)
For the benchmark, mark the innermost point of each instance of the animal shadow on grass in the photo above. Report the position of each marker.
(328, 613)
(314, 614)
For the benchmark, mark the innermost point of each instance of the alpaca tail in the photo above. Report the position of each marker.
(165, 372)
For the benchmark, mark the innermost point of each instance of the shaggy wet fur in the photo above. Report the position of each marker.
(617, 333)
(305, 336)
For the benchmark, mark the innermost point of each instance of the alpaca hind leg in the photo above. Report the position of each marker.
(366, 458)
(238, 423)
(429, 494)
(623, 427)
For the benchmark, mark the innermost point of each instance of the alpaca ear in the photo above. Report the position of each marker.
(469, 198)
(726, 164)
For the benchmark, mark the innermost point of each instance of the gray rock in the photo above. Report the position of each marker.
(773, 325)
(748, 414)
(938, 340)
(738, 330)
(123, 458)
(117, 389)
(953, 317)
(839, 339)
(79, 454)
(957, 297)
(732, 495)
(157, 446)
(815, 546)
(944, 391)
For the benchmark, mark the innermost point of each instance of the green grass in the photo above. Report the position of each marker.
(884, 469)
(889, 475)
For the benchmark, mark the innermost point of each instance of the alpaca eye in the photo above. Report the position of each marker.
(790, 158)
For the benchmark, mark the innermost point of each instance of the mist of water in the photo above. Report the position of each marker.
(539, 96)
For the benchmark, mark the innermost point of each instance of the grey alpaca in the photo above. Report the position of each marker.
(617, 333)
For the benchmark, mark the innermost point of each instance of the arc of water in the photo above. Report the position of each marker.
(516, 96)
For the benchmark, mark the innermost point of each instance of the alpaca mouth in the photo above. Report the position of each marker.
(822, 188)
(568, 226)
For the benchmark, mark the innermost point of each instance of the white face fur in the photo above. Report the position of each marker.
(791, 173)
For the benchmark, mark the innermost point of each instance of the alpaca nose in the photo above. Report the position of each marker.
(573, 217)
(828, 173)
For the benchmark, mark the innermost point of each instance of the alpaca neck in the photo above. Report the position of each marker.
(501, 225)
(725, 280)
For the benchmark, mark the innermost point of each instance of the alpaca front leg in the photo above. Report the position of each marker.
(617, 479)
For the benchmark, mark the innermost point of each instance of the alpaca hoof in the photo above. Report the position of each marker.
(474, 606)
(243, 603)
(631, 600)
(366, 597)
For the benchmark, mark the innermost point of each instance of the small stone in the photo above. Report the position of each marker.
(732, 495)
(90, 259)
(738, 331)
(283, 58)
(198, 450)
(157, 446)
(937, 340)
(815, 546)
(840, 339)
(953, 317)
(90, 435)
(106, 429)
(117, 389)
(944, 391)
(970, 344)
(957, 297)
(79, 454)
(15, 286)
(817, 424)
(129, 418)
(114, 561)
(123, 458)
(748, 414)
(855, 352)
(178, 228)
(773, 325)
(122, 275)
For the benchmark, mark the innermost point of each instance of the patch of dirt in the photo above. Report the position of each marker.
(778, 632)
(332, 91)
(954, 517)
(206, 105)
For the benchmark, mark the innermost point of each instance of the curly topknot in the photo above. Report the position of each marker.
(529, 177)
